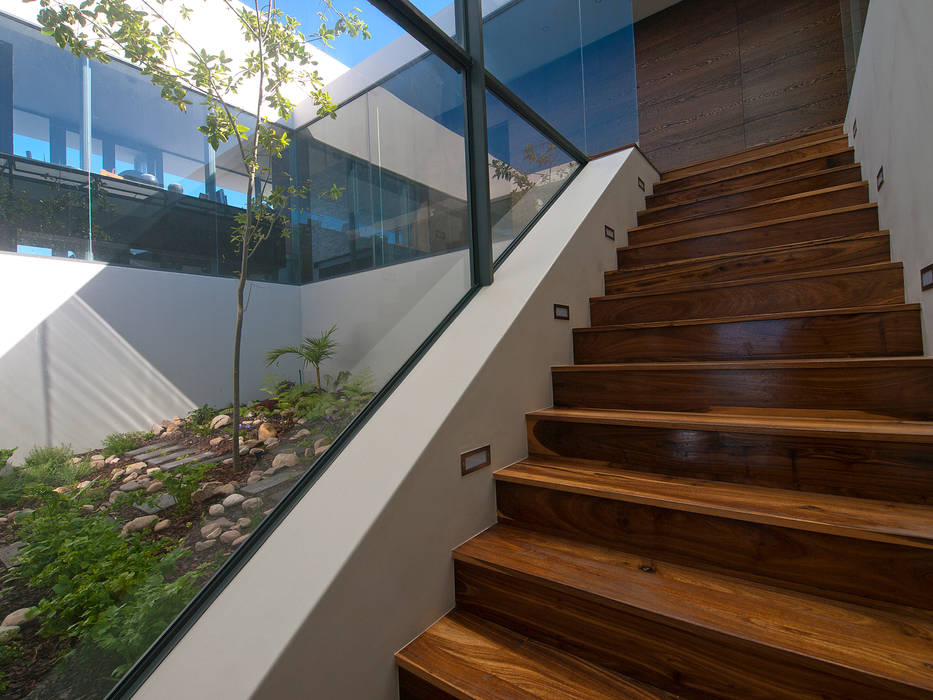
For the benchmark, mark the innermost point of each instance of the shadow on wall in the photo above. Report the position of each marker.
(89, 350)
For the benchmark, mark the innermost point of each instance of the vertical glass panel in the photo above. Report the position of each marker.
(572, 61)
(403, 183)
(44, 203)
(853, 14)
(525, 171)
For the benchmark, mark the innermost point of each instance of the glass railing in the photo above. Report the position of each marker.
(345, 304)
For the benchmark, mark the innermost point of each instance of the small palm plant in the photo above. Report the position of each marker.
(312, 351)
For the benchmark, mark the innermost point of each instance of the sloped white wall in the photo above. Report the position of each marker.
(892, 101)
(88, 349)
(362, 564)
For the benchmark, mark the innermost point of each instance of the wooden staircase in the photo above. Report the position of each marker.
(732, 496)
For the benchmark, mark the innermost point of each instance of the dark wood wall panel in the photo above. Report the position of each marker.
(718, 76)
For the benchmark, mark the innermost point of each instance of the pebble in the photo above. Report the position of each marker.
(321, 450)
(156, 430)
(88, 508)
(230, 536)
(254, 478)
(272, 442)
(239, 540)
(97, 458)
(136, 466)
(285, 459)
(114, 495)
(112, 459)
(215, 442)
(205, 491)
(228, 461)
(251, 504)
(153, 470)
(131, 486)
(155, 487)
(117, 473)
(220, 421)
(256, 451)
(234, 499)
(218, 524)
(266, 431)
(205, 545)
(162, 525)
(226, 489)
(139, 524)
(243, 523)
(17, 618)
(215, 510)
(213, 533)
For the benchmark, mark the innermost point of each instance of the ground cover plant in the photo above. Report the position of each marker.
(110, 548)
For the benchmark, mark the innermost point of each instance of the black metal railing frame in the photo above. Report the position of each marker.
(466, 59)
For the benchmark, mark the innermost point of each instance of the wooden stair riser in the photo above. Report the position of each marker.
(842, 155)
(811, 227)
(676, 180)
(822, 200)
(844, 568)
(901, 390)
(864, 249)
(691, 662)
(761, 193)
(876, 333)
(845, 288)
(839, 465)
(410, 687)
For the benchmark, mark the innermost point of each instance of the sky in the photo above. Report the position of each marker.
(347, 50)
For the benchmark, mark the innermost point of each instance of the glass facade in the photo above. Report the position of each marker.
(94, 165)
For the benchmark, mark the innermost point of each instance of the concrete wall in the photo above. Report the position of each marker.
(892, 102)
(89, 349)
(362, 564)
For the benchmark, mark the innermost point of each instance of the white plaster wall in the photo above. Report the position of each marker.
(362, 564)
(88, 349)
(892, 101)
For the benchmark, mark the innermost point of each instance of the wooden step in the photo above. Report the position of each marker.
(688, 630)
(837, 155)
(755, 153)
(464, 656)
(793, 205)
(853, 549)
(806, 256)
(869, 331)
(895, 387)
(844, 454)
(794, 229)
(866, 285)
(754, 194)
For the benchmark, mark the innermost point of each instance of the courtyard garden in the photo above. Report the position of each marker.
(101, 550)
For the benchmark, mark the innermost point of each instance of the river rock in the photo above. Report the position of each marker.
(221, 421)
(139, 524)
(285, 459)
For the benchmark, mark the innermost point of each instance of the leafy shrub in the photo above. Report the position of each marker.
(53, 466)
(10, 651)
(5, 456)
(182, 482)
(118, 443)
(127, 629)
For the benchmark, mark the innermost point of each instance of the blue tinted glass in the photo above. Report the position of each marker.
(526, 170)
(396, 154)
(572, 62)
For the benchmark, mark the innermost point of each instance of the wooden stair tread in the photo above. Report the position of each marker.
(853, 426)
(755, 188)
(845, 311)
(757, 205)
(744, 281)
(753, 225)
(828, 133)
(726, 179)
(877, 643)
(880, 521)
(661, 267)
(473, 659)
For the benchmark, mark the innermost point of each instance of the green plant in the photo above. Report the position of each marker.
(10, 651)
(202, 414)
(312, 351)
(118, 443)
(5, 455)
(128, 628)
(54, 466)
(82, 560)
(276, 59)
(182, 482)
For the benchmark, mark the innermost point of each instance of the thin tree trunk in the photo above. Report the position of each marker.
(237, 338)
(317, 369)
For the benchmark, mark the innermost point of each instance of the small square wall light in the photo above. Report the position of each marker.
(610, 232)
(926, 278)
(561, 312)
(475, 459)
(641, 184)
